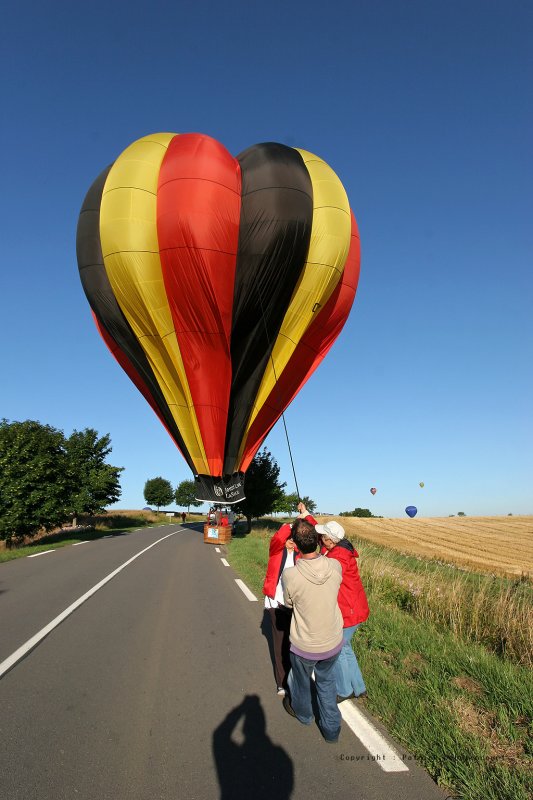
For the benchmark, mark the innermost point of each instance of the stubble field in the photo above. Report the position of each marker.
(498, 545)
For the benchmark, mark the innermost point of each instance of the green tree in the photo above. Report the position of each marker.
(96, 483)
(357, 512)
(158, 492)
(36, 484)
(287, 503)
(261, 487)
(185, 495)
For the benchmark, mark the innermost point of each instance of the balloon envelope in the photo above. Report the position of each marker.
(373, 491)
(219, 284)
(421, 484)
(411, 511)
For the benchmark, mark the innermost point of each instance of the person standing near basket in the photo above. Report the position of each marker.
(281, 556)
(353, 605)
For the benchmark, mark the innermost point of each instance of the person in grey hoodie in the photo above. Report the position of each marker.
(311, 588)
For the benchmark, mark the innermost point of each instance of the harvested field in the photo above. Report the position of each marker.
(498, 545)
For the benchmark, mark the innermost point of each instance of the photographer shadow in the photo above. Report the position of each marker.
(253, 766)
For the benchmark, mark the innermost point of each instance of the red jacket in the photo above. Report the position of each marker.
(277, 555)
(352, 598)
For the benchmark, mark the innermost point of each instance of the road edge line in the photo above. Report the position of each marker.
(383, 753)
(246, 591)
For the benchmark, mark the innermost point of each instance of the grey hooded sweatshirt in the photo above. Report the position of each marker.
(310, 588)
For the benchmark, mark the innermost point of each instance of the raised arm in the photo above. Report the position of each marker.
(303, 513)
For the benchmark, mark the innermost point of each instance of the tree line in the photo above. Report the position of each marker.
(47, 478)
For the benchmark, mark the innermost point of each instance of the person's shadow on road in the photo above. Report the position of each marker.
(253, 767)
(266, 630)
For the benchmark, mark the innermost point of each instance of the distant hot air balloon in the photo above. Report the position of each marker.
(219, 284)
(373, 491)
(411, 511)
(421, 484)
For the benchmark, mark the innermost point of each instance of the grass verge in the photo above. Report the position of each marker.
(494, 611)
(463, 710)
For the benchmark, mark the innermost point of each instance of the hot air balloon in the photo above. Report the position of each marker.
(373, 491)
(421, 484)
(219, 284)
(411, 511)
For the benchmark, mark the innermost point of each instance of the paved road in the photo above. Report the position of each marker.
(159, 686)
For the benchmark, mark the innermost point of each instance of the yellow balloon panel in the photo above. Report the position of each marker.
(329, 247)
(129, 218)
(139, 163)
(128, 231)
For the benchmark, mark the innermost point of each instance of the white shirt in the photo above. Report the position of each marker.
(278, 597)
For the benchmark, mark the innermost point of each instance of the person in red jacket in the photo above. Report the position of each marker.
(353, 605)
(282, 554)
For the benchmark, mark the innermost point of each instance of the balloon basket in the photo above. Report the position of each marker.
(217, 534)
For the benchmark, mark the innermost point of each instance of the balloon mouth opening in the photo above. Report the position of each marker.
(227, 489)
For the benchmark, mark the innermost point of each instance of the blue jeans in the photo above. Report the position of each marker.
(299, 683)
(347, 673)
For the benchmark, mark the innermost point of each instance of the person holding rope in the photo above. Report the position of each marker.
(311, 588)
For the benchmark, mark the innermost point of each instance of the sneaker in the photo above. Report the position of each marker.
(281, 691)
(360, 696)
(287, 706)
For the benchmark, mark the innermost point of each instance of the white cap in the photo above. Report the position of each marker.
(333, 530)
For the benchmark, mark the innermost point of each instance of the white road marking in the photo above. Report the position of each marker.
(246, 590)
(224, 562)
(381, 751)
(44, 552)
(10, 662)
(77, 543)
(217, 549)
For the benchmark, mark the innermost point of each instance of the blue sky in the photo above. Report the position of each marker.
(424, 110)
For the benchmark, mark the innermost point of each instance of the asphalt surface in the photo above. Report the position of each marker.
(160, 685)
